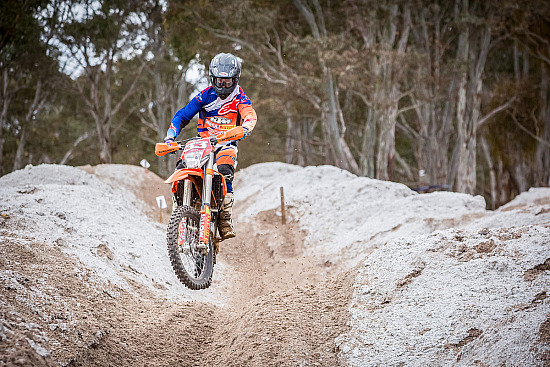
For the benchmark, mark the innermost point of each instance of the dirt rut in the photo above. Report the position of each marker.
(281, 313)
(284, 310)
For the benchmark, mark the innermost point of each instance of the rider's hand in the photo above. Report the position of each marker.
(213, 140)
(246, 133)
(169, 141)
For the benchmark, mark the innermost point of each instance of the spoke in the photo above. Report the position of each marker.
(193, 261)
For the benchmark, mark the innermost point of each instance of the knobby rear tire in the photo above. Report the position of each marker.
(192, 281)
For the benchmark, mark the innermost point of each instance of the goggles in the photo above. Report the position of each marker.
(223, 82)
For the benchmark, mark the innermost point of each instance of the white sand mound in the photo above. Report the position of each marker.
(345, 215)
(453, 296)
(97, 222)
(446, 282)
(449, 282)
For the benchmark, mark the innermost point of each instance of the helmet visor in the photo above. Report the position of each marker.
(223, 82)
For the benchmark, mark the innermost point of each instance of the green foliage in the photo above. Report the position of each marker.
(19, 30)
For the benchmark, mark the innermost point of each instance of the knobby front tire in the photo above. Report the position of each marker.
(192, 268)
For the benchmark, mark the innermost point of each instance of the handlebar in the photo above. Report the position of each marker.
(236, 133)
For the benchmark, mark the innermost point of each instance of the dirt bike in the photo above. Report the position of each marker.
(198, 193)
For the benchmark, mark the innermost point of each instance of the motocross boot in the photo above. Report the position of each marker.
(225, 225)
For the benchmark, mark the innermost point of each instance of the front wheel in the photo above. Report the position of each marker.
(193, 268)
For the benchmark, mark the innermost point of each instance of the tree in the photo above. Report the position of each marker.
(22, 52)
(429, 125)
(165, 88)
(384, 28)
(101, 35)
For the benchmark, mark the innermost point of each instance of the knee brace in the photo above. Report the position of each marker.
(228, 172)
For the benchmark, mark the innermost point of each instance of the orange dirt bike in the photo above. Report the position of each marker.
(198, 191)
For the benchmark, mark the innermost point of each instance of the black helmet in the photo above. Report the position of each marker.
(224, 66)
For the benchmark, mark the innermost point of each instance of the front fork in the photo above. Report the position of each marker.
(206, 215)
(205, 222)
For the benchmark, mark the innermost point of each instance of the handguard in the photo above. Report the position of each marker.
(165, 148)
(235, 133)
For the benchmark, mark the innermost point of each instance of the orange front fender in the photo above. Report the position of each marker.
(183, 173)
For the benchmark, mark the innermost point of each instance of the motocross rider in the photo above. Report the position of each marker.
(221, 107)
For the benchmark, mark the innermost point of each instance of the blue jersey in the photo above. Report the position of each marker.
(215, 115)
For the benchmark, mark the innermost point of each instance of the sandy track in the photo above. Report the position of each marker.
(281, 311)
(279, 314)
(469, 294)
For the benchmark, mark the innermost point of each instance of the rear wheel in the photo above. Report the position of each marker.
(191, 265)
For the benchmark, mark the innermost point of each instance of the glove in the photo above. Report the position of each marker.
(246, 133)
(169, 141)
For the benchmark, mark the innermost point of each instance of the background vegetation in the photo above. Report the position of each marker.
(434, 94)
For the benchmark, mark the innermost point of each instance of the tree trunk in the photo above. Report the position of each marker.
(292, 133)
(104, 136)
(380, 37)
(32, 112)
(434, 100)
(473, 48)
(368, 145)
(161, 98)
(305, 150)
(18, 161)
(386, 140)
(461, 118)
(340, 152)
(6, 98)
(542, 174)
(337, 143)
(492, 173)
(443, 135)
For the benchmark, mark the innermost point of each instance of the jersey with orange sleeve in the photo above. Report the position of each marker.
(215, 115)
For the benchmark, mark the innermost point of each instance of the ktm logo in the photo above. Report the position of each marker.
(228, 108)
(219, 120)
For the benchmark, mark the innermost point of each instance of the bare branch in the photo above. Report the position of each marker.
(87, 100)
(123, 120)
(486, 118)
(264, 74)
(403, 125)
(147, 123)
(37, 102)
(361, 96)
(148, 139)
(408, 108)
(402, 44)
(310, 18)
(75, 144)
(405, 165)
(527, 130)
(130, 90)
